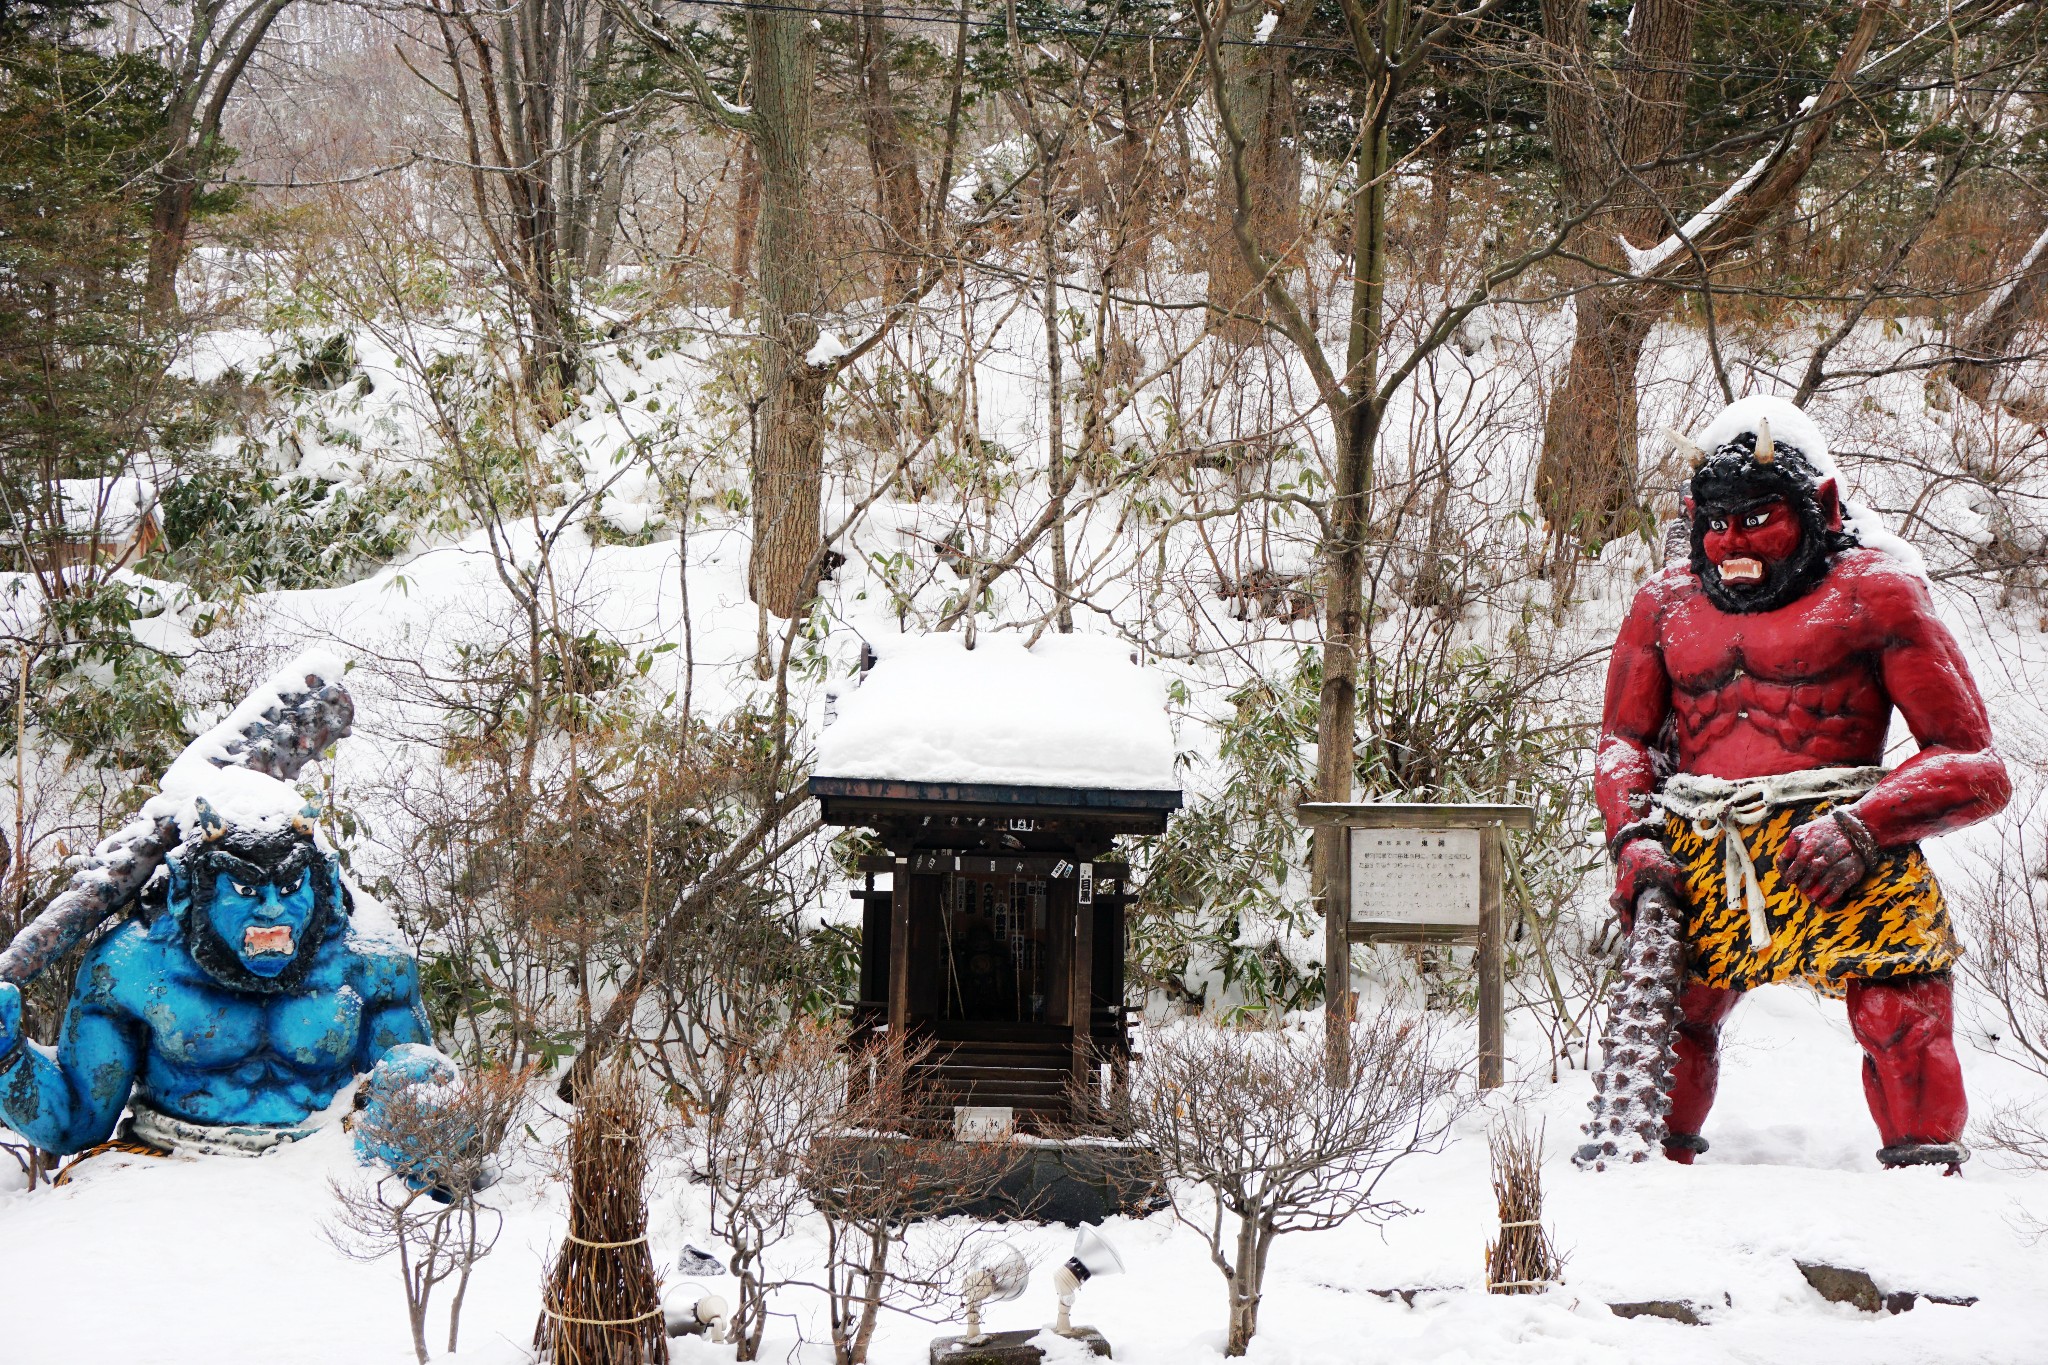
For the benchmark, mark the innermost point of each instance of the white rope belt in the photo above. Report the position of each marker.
(1722, 808)
(153, 1127)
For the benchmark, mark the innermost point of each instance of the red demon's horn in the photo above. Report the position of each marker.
(1689, 449)
(1765, 452)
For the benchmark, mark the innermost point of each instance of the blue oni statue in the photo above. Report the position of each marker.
(226, 1014)
(227, 997)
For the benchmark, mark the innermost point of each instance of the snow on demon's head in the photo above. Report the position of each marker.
(1790, 426)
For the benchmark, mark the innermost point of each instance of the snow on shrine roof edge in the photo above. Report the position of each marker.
(1070, 715)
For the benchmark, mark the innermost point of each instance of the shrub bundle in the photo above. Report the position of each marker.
(1521, 1260)
(602, 1304)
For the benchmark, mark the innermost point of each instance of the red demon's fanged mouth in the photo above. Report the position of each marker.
(1742, 570)
(257, 941)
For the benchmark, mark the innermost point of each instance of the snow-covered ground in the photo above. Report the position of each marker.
(218, 1261)
(223, 1261)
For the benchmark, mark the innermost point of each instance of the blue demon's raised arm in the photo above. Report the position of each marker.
(68, 1098)
(393, 1012)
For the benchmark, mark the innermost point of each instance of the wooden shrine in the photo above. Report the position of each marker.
(993, 926)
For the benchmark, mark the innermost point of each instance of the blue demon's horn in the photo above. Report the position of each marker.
(303, 821)
(211, 826)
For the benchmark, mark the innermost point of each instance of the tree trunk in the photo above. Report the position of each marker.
(417, 1287)
(1258, 83)
(220, 41)
(469, 1259)
(170, 230)
(880, 1242)
(789, 463)
(746, 227)
(1586, 479)
(1246, 1273)
(1987, 338)
(1356, 427)
(1058, 470)
(538, 45)
(1609, 133)
(898, 196)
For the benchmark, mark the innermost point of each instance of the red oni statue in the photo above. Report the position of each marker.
(1740, 767)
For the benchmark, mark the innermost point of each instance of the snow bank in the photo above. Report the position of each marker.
(1072, 711)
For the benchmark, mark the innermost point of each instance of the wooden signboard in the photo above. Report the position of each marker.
(1420, 873)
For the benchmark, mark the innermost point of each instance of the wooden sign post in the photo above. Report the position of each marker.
(1417, 873)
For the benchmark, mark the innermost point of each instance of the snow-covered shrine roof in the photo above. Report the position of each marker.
(1071, 713)
(109, 507)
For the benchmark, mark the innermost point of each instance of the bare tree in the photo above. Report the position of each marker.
(447, 1139)
(545, 168)
(1615, 136)
(2007, 903)
(1987, 338)
(779, 1095)
(1258, 1139)
(208, 51)
(883, 1163)
(1256, 50)
(782, 59)
(2005, 899)
(899, 196)
(1618, 138)
(1393, 45)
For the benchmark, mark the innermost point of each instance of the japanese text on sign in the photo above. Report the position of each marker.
(1415, 876)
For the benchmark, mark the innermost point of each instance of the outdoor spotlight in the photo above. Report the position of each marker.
(999, 1275)
(689, 1309)
(1092, 1256)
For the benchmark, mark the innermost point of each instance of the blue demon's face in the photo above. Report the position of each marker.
(263, 919)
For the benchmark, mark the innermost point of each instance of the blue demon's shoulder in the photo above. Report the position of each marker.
(120, 965)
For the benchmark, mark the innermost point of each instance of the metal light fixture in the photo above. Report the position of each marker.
(689, 1309)
(999, 1275)
(1092, 1257)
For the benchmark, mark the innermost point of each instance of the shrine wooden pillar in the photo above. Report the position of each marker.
(899, 952)
(1081, 996)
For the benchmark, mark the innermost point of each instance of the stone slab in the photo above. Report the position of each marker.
(1009, 1348)
(1675, 1310)
(1845, 1284)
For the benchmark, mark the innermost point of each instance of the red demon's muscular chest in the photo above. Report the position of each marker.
(1774, 691)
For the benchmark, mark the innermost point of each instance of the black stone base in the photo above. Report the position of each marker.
(1009, 1348)
(1923, 1154)
(1050, 1182)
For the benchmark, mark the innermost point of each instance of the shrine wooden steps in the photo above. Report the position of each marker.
(1031, 1077)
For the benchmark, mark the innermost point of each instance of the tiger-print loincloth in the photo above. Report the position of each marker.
(1892, 923)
